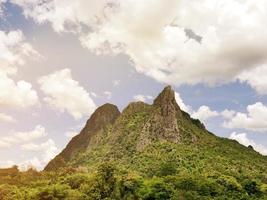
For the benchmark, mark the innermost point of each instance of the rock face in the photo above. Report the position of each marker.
(103, 116)
(166, 101)
(162, 123)
(138, 126)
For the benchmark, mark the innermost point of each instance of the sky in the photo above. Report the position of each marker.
(61, 59)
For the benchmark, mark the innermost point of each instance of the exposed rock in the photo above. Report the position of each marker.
(162, 123)
(166, 101)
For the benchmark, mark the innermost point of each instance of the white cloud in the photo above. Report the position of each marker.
(204, 113)
(64, 15)
(244, 140)
(93, 94)
(6, 118)
(65, 94)
(116, 83)
(108, 94)
(233, 35)
(256, 78)
(34, 163)
(18, 94)
(228, 114)
(13, 51)
(48, 149)
(142, 98)
(4, 144)
(255, 119)
(6, 163)
(181, 103)
(16, 138)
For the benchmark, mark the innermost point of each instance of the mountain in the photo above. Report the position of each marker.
(150, 152)
(145, 138)
(135, 130)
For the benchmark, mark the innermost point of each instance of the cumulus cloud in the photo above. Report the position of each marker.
(16, 94)
(65, 15)
(233, 35)
(204, 113)
(256, 78)
(244, 140)
(6, 118)
(13, 52)
(66, 95)
(228, 114)
(181, 103)
(255, 119)
(16, 138)
(108, 94)
(47, 149)
(143, 98)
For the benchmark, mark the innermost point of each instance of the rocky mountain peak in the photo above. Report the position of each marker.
(103, 115)
(167, 96)
(166, 100)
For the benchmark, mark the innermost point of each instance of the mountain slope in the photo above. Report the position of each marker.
(146, 137)
(102, 117)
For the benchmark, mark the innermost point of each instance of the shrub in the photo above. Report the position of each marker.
(251, 187)
(155, 189)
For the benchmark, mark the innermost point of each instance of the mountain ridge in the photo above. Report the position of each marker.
(162, 123)
(137, 127)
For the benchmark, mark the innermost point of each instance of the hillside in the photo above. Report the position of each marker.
(144, 134)
(152, 152)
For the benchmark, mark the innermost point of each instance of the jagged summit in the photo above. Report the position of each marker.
(166, 100)
(167, 96)
(161, 120)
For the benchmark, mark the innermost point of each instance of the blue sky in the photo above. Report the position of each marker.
(60, 60)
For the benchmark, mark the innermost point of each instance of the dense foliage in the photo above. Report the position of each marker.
(108, 182)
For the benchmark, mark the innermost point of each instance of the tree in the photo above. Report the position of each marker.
(155, 189)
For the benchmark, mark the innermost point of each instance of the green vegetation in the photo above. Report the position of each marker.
(108, 182)
(148, 152)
